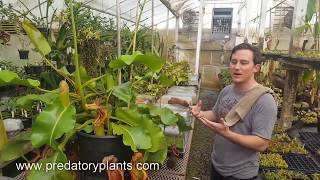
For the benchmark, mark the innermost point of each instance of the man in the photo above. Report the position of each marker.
(236, 149)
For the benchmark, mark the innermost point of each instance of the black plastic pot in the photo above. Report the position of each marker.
(70, 68)
(23, 54)
(37, 69)
(27, 122)
(28, 70)
(92, 149)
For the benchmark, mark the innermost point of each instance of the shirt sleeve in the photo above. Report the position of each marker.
(264, 117)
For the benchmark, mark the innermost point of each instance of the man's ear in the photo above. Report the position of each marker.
(257, 68)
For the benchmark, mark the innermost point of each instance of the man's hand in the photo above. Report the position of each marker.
(219, 127)
(196, 110)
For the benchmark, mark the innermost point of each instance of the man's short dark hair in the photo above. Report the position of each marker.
(255, 51)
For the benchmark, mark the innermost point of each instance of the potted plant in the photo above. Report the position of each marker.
(285, 174)
(23, 51)
(272, 160)
(23, 54)
(93, 105)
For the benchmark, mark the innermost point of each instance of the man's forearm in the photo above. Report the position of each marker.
(248, 141)
(209, 115)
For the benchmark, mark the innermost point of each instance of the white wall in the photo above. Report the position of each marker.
(10, 52)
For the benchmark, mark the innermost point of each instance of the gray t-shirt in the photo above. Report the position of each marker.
(231, 159)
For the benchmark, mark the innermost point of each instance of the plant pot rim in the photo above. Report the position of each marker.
(99, 137)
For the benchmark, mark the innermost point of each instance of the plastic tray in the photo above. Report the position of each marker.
(306, 136)
(312, 145)
(301, 163)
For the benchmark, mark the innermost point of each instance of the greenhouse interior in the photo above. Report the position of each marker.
(159, 89)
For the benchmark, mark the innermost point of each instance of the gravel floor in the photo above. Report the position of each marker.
(199, 160)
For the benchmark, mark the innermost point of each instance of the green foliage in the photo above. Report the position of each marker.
(123, 92)
(311, 9)
(278, 96)
(178, 72)
(135, 137)
(7, 65)
(152, 62)
(9, 104)
(141, 131)
(167, 117)
(308, 55)
(298, 53)
(284, 52)
(272, 160)
(155, 84)
(225, 76)
(11, 78)
(309, 117)
(51, 80)
(282, 137)
(285, 174)
(7, 14)
(54, 173)
(294, 146)
(143, 86)
(83, 98)
(52, 123)
(315, 176)
(37, 38)
(15, 147)
(26, 102)
(278, 129)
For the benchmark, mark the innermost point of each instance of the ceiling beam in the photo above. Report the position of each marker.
(167, 4)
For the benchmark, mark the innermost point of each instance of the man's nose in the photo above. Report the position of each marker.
(237, 66)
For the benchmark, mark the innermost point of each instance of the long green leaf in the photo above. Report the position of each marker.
(26, 101)
(123, 92)
(16, 147)
(311, 9)
(36, 37)
(48, 171)
(109, 82)
(52, 123)
(135, 137)
(12, 78)
(3, 134)
(83, 74)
